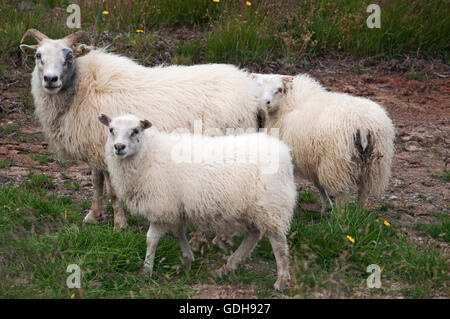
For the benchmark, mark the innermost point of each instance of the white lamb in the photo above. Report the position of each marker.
(72, 84)
(339, 142)
(226, 182)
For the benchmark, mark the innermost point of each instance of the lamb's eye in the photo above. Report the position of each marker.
(38, 55)
(111, 130)
(135, 131)
(280, 90)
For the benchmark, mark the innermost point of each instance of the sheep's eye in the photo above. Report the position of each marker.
(280, 90)
(38, 55)
(135, 131)
(69, 58)
(111, 131)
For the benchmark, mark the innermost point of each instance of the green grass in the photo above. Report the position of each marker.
(439, 229)
(414, 75)
(39, 181)
(5, 162)
(41, 157)
(187, 53)
(324, 253)
(230, 31)
(42, 233)
(73, 186)
(25, 139)
(384, 207)
(307, 196)
(443, 174)
(241, 41)
(10, 128)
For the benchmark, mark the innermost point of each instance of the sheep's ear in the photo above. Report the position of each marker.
(28, 50)
(104, 119)
(287, 81)
(82, 50)
(145, 124)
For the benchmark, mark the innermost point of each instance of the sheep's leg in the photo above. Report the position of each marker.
(342, 199)
(97, 201)
(363, 194)
(223, 241)
(120, 221)
(280, 250)
(154, 234)
(246, 247)
(326, 203)
(185, 248)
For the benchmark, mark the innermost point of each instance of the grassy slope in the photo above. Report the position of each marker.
(42, 233)
(230, 31)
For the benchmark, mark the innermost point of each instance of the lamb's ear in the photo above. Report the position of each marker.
(81, 50)
(28, 50)
(104, 119)
(145, 124)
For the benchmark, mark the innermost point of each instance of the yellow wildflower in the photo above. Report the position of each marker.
(377, 220)
(350, 238)
(386, 223)
(73, 296)
(248, 3)
(105, 12)
(139, 31)
(216, 1)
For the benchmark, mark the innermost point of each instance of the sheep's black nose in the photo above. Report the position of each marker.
(50, 78)
(119, 146)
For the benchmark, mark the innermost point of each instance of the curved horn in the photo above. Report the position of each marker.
(77, 36)
(35, 34)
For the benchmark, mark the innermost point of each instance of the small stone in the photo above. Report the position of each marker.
(412, 148)
(393, 197)
(26, 5)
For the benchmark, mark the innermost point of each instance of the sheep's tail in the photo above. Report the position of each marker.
(366, 160)
(364, 153)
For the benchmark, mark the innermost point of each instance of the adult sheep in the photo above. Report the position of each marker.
(72, 84)
(339, 142)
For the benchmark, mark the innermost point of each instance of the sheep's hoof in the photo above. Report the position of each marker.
(219, 273)
(281, 283)
(90, 218)
(145, 272)
(223, 243)
(120, 222)
(188, 264)
(325, 213)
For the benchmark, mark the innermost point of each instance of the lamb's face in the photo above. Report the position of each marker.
(272, 86)
(125, 134)
(55, 58)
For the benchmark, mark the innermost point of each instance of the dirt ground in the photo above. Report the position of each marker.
(418, 103)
